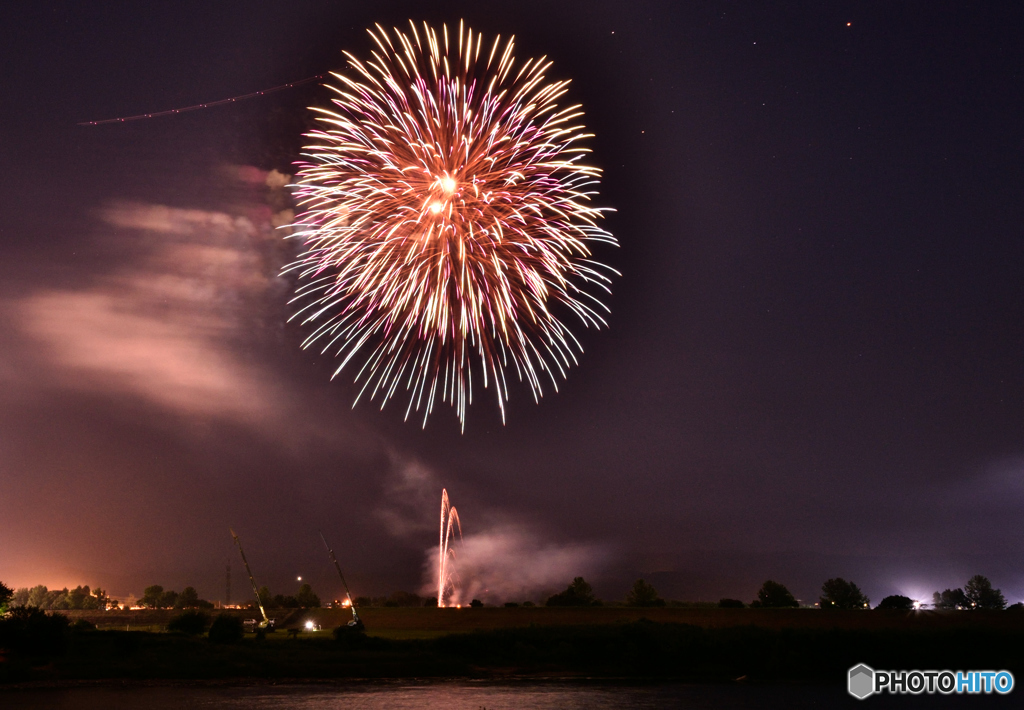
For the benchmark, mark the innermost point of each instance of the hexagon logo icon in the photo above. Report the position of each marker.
(861, 681)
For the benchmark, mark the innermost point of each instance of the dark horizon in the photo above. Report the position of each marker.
(812, 370)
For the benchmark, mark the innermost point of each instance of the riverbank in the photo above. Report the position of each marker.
(642, 649)
(424, 623)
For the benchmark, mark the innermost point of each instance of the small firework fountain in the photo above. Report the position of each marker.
(446, 555)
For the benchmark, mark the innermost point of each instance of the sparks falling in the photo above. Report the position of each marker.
(447, 221)
(446, 554)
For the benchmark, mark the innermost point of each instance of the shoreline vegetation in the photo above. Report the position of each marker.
(702, 645)
(407, 623)
(179, 638)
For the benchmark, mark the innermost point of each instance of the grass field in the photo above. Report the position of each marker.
(639, 650)
(689, 644)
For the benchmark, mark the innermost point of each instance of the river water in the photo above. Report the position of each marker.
(464, 695)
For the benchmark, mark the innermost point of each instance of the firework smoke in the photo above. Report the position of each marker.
(447, 221)
(511, 562)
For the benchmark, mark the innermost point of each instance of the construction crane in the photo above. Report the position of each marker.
(356, 622)
(267, 622)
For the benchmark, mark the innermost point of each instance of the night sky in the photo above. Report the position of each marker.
(814, 361)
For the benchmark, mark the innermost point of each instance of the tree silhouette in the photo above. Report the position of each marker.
(643, 594)
(306, 598)
(775, 595)
(837, 593)
(896, 601)
(167, 599)
(152, 596)
(950, 599)
(6, 593)
(579, 593)
(980, 594)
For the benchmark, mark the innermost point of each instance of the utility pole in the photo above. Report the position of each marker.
(227, 587)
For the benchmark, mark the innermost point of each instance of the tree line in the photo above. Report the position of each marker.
(838, 593)
(81, 597)
(156, 597)
(305, 598)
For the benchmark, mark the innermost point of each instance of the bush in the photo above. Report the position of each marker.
(730, 604)
(355, 638)
(476, 603)
(1018, 607)
(529, 604)
(83, 625)
(898, 602)
(348, 634)
(31, 631)
(226, 629)
(430, 601)
(511, 605)
(191, 623)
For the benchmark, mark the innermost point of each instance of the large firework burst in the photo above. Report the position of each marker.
(447, 220)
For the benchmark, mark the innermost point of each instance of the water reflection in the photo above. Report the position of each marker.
(460, 695)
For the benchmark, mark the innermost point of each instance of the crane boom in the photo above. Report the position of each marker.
(351, 603)
(256, 591)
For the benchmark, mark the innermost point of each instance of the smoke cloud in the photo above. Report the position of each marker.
(164, 329)
(494, 561)
(411, 500)
(514, 563)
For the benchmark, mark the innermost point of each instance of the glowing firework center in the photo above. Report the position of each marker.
(447, 220)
